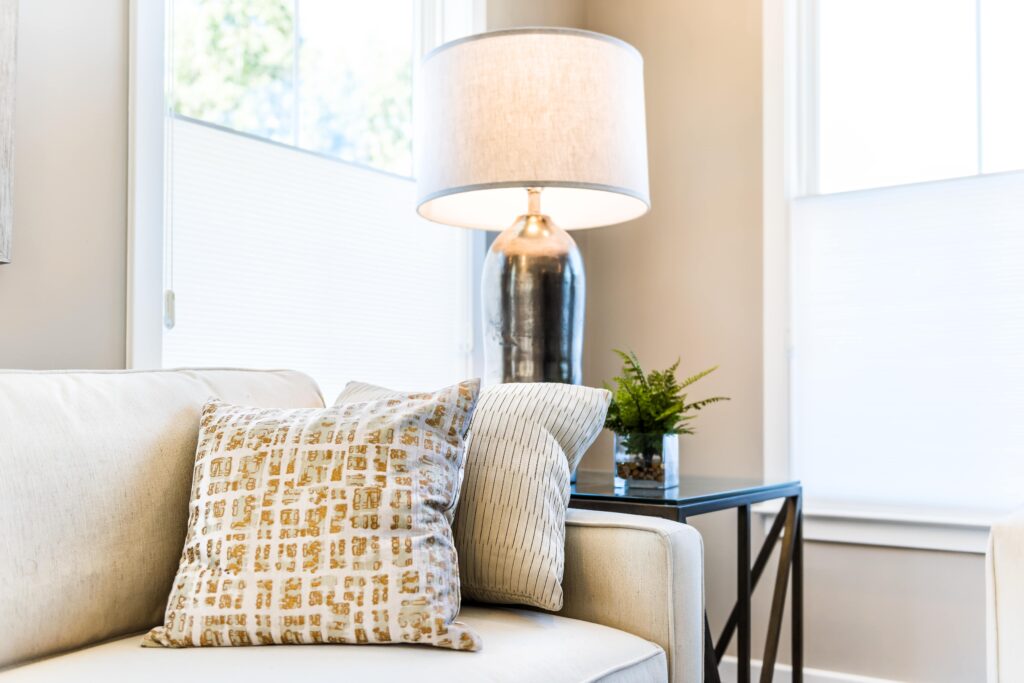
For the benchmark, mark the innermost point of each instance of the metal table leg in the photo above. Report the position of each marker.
(710, 660)
(771, 646)
(743, 589)
(759, 565)
(797, 601)
(787, 525)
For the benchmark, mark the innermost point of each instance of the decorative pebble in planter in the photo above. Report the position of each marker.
(647, 460)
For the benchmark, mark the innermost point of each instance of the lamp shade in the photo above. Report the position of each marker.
(557, 109)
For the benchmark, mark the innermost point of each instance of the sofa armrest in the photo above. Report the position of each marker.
(643, 575)
(1004, 592)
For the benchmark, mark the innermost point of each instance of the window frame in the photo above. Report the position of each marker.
(149, 300)
(789, 167)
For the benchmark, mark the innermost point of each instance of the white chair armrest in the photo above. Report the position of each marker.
(643, 575)
(1004, 590)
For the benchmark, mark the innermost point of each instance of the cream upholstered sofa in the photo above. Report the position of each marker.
(95, 473)
(1005, 596)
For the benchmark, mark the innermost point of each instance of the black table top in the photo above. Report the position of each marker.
(600, 486)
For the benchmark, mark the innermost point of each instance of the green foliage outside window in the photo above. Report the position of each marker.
(233, 64)
(334, 78)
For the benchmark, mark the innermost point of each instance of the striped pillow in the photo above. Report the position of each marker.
(524, 440)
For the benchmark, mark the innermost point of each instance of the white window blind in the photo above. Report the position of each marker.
(287, 259)
(908, 344)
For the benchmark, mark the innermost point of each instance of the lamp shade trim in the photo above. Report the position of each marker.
(526, 184)
(534, 30)
(563, 201)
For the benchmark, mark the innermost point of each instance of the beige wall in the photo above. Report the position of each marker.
(685, 280)
(513, 13)
(905, 615)
(62, 298)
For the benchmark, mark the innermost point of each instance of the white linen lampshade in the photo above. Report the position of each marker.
(551, 108)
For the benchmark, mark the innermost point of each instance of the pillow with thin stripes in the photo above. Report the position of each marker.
(524, 441)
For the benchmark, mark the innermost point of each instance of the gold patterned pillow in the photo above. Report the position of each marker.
(324, 526)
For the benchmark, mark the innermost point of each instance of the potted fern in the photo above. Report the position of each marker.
(648, 412)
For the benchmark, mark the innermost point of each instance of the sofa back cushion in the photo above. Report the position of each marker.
(95, 477)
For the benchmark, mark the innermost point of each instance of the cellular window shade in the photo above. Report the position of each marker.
(282, 258)
(908, 344)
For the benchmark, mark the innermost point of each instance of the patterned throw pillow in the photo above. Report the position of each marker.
(324, 526)
(525, 440)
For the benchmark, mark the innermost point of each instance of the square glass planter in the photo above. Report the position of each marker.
(647, 460)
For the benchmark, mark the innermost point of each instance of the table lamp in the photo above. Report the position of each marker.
(546, 124)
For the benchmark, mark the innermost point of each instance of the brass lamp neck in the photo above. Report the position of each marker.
(533, 198)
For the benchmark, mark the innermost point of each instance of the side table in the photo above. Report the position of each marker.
(701, 495)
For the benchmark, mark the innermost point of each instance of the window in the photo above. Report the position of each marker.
(906, 91)
(290, 237)
(906, 296)
(326, 76)
(1001, 53)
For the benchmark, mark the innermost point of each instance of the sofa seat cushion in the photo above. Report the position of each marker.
(519, 645)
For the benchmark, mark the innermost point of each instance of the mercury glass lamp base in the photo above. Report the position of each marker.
(533, 299)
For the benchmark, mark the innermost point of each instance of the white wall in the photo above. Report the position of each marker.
(62, 298)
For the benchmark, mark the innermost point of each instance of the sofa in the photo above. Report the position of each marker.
(1004, 589)
(95, 476)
